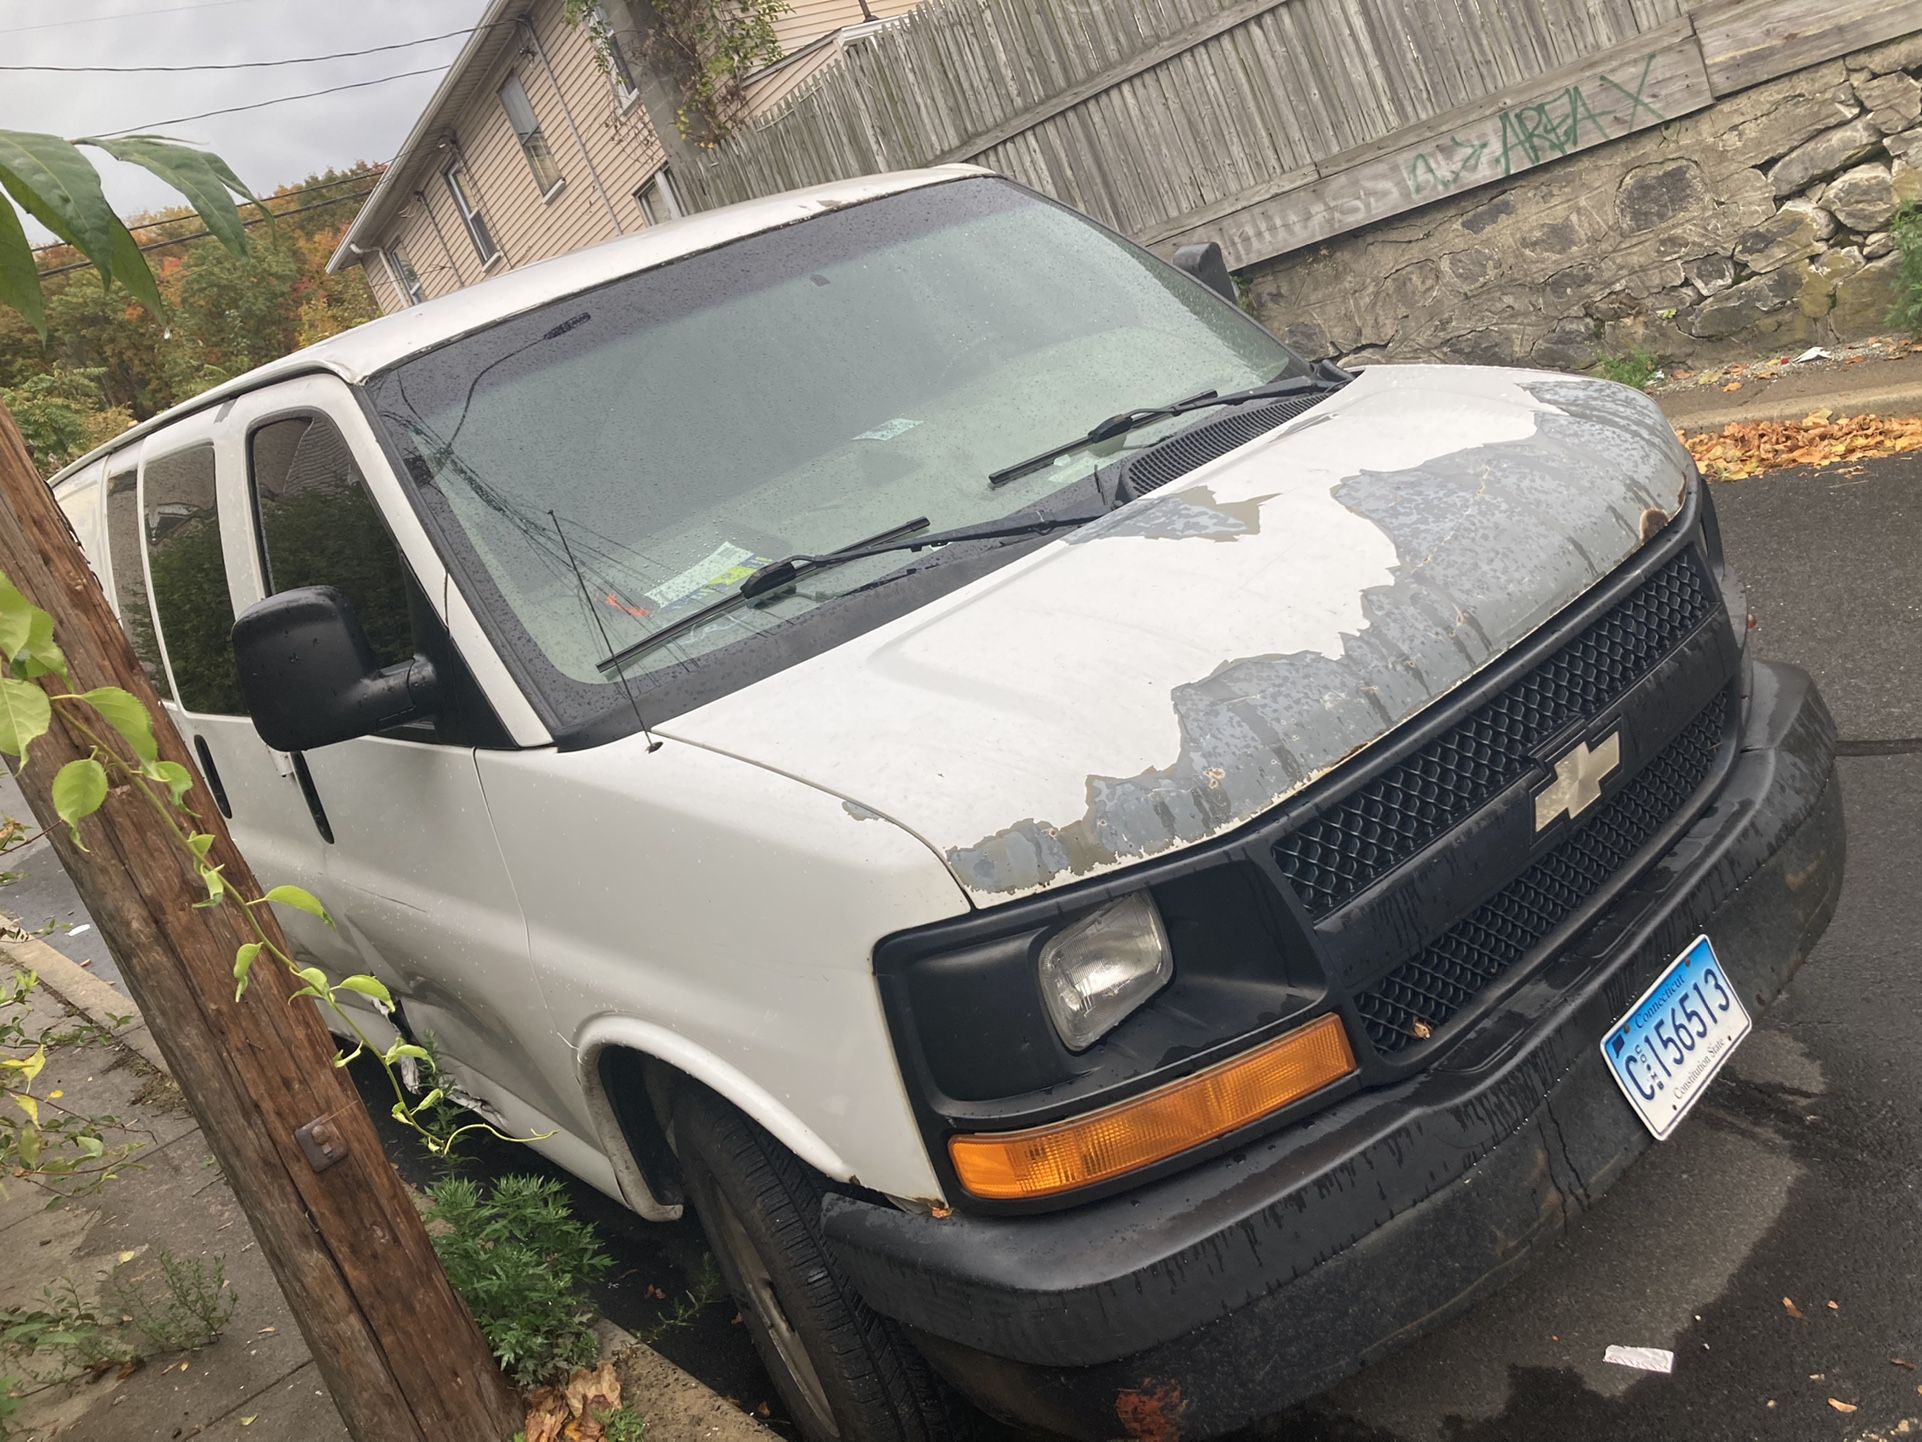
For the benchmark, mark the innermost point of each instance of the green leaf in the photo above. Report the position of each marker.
(131, 270)
(216, 887)
(120, 710)
(200, 843)
(90, 1146)
(58, 187)
(300, 900)
(42, 656)
(316, 980)
(19, 277)
(178, 781)
(16, 619)
(78, 790)
(28, 1105)
(244, 960)
(369, 987)
(25, 715)
(402, 1049)
(203, 179)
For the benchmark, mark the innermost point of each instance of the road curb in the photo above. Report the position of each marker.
(83, 991)
(1904, 399)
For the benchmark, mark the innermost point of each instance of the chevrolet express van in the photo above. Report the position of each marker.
(1118, 872)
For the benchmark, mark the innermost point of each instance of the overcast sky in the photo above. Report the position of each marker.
(274, 146)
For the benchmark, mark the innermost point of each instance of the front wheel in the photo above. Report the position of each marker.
(845, 1373)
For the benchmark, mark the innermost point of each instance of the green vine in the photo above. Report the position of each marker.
(709, 47)
(124, 751)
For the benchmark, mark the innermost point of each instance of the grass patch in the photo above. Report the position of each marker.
(1637, 368)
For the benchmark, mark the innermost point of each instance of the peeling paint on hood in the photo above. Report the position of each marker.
(1182, 666)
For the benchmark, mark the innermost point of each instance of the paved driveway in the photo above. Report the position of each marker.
(1800, 1175)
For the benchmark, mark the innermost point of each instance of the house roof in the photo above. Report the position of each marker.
(495, 33)
(357, 354)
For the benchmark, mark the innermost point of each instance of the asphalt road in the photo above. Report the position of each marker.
(1799, 1175)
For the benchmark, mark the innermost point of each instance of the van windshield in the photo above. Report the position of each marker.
(603, 466)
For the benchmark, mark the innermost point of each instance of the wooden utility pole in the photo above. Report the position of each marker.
(399, 1352)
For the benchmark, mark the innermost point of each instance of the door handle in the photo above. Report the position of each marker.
(212, 773)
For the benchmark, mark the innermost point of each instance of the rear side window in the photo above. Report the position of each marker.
(319, 527)
(191, 600)
(129, 579)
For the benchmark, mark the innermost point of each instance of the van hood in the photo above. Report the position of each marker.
(1181, 666)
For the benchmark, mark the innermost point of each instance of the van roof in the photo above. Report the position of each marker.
(357, 354)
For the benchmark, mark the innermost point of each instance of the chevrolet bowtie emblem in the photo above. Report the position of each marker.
(1578, 781)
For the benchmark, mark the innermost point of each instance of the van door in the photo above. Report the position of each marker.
(410, 869)
(168, 538)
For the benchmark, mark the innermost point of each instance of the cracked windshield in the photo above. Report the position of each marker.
(615, 461)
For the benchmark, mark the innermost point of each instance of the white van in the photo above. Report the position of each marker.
(1118, 871)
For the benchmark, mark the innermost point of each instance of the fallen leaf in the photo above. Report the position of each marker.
(1821, 439)
(185, 1365)
(1841, 1406)
(1898, 1362)
(764, 1410)
(267, 1332)
(546, 1414)
(1731, 388)
(1793, 1310)
(1833, 1307)
(249, 1421)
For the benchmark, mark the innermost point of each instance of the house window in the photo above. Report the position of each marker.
(527, 129)
(608, 44)
(458, 186)
(404, 275)
(656, 200)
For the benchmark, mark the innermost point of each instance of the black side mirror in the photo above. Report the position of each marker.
(1208, 265)
(311, 679)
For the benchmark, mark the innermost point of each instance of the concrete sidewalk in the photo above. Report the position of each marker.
(1884, 382)
(258, 1382)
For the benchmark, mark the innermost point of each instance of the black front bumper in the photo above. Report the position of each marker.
(1214, 1297)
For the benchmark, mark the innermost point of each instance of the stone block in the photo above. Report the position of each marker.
(1789, 236)
(1904, 146)
(1472, 269)
(1894, 101)
(1820, 220)
(1711, 275)
(1863, 199)
(1655, 195)
(1572, 345)
(1832, 267)
(1743, 306)
(1865, 300)
(1876, 246)
(1902, 54)
(1907, 180)
(1829, 152)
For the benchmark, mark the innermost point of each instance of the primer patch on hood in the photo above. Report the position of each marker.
(1491, 541)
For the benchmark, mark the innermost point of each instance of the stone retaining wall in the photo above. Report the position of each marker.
(1758, 225)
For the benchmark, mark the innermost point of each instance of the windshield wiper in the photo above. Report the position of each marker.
(778, 575)
(1121, 424)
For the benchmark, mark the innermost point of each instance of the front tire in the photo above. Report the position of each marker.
(845, 1373)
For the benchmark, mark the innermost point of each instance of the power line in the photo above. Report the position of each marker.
(201, 234)
(292, 190)
(247, 64)
(123, 15)
(276, 100)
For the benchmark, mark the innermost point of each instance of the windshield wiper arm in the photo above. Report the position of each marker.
(741, 595)
(777, 575)
(1118, 425)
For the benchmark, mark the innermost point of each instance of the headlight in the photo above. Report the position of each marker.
(1096, 973)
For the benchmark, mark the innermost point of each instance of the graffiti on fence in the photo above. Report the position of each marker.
(1525, 136)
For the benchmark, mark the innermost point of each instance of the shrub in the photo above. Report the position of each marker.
(523, 1263)
(1906, 231)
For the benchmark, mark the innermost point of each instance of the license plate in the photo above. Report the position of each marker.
(1666, 1051)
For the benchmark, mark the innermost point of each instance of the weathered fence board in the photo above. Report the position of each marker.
(1749, 41)
(1269, 124)
(1627, 92)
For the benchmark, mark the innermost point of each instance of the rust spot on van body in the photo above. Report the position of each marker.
(1150, 1413)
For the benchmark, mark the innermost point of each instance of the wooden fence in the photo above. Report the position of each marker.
(1270, 124)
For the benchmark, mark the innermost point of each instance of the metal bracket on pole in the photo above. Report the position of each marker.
(321, 1143)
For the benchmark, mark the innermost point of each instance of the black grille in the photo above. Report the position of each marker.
(1335, 856)
(1418, 997)
(1193, 449)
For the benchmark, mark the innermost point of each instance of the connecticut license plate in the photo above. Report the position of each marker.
(1666, 1051)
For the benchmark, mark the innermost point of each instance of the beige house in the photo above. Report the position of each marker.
(541, 139)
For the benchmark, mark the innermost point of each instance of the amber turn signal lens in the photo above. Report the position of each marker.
(1046, 1161)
